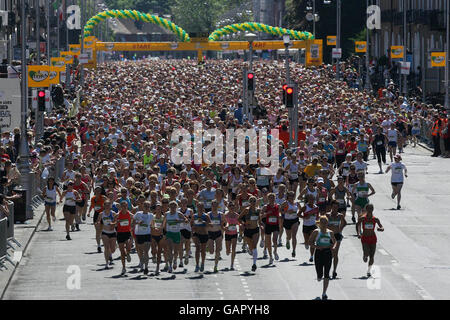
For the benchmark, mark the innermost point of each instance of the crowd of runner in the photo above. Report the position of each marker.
(120, 176)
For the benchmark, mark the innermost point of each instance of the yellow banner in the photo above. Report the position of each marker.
(75, 49)
(314, 52)
(397, 52)
(90, 41)
(438, 59)
(331, 40)
(68, 56)
(58, 64)
(194, 46)
(360, 46)
(38, 76)
(54, 75)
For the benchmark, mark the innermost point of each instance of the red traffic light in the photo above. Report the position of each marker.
(41, 94)
(250, 75)
(289, 90)
(284, 87)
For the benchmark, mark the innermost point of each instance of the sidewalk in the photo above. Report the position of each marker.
(23, 233)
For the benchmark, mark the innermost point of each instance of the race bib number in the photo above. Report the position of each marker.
(199, 222)
(321, 200)
(158, 225)
(294, 176)
(232, 228)
(341, 201)
(97, 208)
(369, 226)
(215, 222)
(362, 194)
(245, 203)
(106, 221)
(49, 199)
(273, 219)
(124, 223)
(254, 218)
(379, 143)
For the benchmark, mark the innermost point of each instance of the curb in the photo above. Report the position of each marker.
(41, 206)
(425, 147)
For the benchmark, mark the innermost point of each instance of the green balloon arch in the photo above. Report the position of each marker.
(253, 26)
(135, 15)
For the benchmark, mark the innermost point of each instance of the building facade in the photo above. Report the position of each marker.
(425, 30)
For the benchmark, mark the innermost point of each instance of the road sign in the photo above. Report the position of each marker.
(83, 58)
(10, 110)
(337, 53)
(404, 67)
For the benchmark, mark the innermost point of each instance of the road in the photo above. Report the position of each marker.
(412, 259)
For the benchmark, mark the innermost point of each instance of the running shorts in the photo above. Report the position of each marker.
(248, 233)
(203, 238)
(123, 237)
(142, 238)
(229, 237)
(309, 229)
(110, 235)
(70, 209)
(269, 228)
(174, 236)
(186, 234)
(213, 235)
(288, 223)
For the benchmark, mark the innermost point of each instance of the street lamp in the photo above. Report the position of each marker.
(367, 85)
(286, 41)
(250, 37)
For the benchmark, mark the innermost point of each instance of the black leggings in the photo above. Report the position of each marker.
(322, 260)
(381, 154)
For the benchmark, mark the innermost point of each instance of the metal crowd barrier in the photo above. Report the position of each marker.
(3, 243)
(425, 132)
(10, 230)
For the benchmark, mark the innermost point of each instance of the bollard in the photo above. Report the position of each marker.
(61, 166)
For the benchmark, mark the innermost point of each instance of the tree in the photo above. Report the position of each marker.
(197, 15)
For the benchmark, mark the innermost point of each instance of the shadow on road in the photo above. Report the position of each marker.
(287, 260)
(269, 266)
(200, 276)
(306, 264)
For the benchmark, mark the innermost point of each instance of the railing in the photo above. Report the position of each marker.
(425, 132)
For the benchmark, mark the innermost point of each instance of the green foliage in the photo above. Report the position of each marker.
(148, 6)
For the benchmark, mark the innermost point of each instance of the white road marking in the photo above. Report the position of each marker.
(383, 252)
(17, 256)
(421, 290)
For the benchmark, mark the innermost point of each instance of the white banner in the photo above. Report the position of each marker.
(337, 53)
(10, 108)
(404, 67)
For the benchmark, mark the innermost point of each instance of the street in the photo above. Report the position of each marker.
(412, 259)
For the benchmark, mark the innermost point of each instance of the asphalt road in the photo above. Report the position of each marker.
(412, 259)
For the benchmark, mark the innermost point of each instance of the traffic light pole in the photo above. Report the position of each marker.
(23, 162)
(245, 92)
(293, 119)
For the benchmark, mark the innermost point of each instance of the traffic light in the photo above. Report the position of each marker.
(41, 100)
(284, 93)
(289, 97)
(250, 82)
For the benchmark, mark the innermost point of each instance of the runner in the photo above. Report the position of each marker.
(339, 193)
(97, 203)
(200, 223)
(231, 219)
(397, 178)
(83, 191)
(290, 220)
(106, 220)
(142, 221)
(49, 195)
(69, 209)
(393, 135)
(172, 221)
(215, 233)
(380, 141)
(186, 230)
(251, 219)
(324, 243)
(123, 222)
(272, 225)
(368, 236)
(309, 214)
(158, 237)
(336, 223)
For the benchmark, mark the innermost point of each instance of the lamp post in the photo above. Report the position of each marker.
(447, 13)
(367, 85)
(338, 34)
(286, 41)
(405, 80)
(24, 152)
(250, 38)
